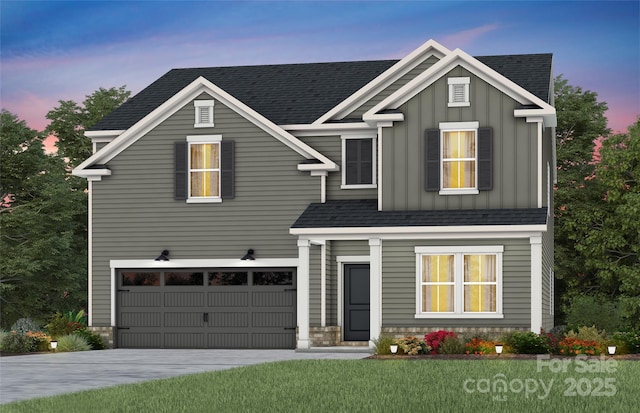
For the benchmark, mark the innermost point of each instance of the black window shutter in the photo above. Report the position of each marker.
(485, 159)
(351, 158)
(366, 161)
(432, 160)
(227, 169)
(181, 180)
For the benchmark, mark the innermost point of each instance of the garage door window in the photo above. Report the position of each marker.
(141, 278)
(228, 278)
(183, 278)
(273, 278)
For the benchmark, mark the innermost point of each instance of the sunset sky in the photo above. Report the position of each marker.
(55, 51)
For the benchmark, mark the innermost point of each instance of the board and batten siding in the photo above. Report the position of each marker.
(399, 280)
(331, 147)
(135, 215)
(514, 149)
(389, 90)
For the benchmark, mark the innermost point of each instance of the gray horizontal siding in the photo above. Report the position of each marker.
(331, 147)
(514, 146)
(399, 285)
(135, 215)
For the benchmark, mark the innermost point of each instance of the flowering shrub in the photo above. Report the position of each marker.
(40, 340)
(480, 346)
(412, 345)
(571, 346)
(434, 339)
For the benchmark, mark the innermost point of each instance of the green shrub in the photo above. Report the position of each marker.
(626, 342)
(60, 325)
(412, 345)
(527, 343)
(72, 342)
(451, 345)
(25, 324)
(15, 342)
(94, 340)
(3, 335)
(588, 333)
(383, 344)
(589, 311)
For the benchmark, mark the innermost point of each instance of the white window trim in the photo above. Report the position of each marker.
(374, 158)
(462, 127)
(456, 81)
(458, 252)
(198, 139)
(203, 105)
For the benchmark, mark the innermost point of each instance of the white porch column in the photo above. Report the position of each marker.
(303, 294)
(536, 283)
(375, 289)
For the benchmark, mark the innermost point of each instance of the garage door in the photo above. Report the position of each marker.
(209, 308)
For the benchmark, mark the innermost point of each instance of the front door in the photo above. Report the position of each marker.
(356, 302)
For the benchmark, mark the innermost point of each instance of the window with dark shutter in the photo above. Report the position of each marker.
(432, 160)
(227, 169)
(181, 170)
(485, 159)
(359, 161)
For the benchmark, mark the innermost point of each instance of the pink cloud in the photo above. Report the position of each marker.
(464, 38)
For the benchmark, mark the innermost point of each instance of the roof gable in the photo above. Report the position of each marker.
(177, 101)
(478, 68)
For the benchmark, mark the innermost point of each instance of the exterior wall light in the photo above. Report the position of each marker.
(164, 256)
(248, 255)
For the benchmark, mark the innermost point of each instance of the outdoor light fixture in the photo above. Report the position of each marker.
(394, 348)
(248, 255)
(164, 256)
(499, 349)
(611, 350)
(54, 345)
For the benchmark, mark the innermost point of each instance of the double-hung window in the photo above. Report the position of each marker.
(459, 282)
(204, 168)
(359, 162)
(458, 158)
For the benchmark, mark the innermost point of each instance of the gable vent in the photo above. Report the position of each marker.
(458, 94)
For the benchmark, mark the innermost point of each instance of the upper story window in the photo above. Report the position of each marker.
(458, 158)
(459, 282)
(203, 113)
(204, 168)
(358, 162)
(458, 91)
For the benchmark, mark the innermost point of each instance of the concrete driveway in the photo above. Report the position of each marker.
(42, 375)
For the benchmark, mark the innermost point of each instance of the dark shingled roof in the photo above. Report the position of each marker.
(301, 93)
(364, 213)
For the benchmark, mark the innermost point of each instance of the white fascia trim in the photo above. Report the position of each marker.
(445, 65)
(93, 134)
(480, 231)
(92, 174)
(548, 115)
(379, 119)
(409, 62)
(327, 129)
(204, 263)
(177, 101)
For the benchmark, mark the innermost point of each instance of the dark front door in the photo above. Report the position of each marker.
(356, 302)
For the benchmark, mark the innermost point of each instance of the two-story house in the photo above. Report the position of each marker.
(306, 205)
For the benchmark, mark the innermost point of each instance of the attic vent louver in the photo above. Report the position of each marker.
(458, 91)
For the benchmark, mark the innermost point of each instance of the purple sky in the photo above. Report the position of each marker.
(55, 51)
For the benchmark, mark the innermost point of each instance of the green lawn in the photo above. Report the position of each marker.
(371, 386)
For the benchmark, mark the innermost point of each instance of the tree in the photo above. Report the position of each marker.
(581, 121)
(43, 218)
(70, 120)
(608, 239)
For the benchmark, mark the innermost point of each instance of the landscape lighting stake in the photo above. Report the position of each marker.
(54, 345)
(611, 350)
(499, 349)
(394, 349)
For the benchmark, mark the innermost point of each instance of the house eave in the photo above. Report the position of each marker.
(430, 232)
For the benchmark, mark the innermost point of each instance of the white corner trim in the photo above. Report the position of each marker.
(186, 95)
(409, 62)
(536, 283)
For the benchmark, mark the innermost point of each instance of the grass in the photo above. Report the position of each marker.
(365, 386)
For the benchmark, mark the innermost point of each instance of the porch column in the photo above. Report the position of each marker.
(536, 283)
(375, 288)
(303, 294)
